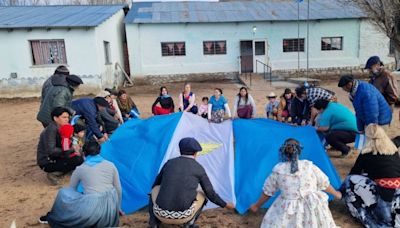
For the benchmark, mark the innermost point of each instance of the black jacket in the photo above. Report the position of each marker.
(49, 146)
(165, 103)
(179, 179)
(299, 111)
(106, 119)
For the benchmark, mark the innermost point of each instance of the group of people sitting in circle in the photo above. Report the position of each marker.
(93, 197)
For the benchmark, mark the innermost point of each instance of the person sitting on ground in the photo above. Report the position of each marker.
(217, 106)
(50, 157)
(302, 202)
(60, 72)
(88, 109)
(58, 95)
(187, 100)
(244, 105)
(299, 110)
(369, 104)
(285, 103)
(114, 104)
(66, 133)
(78, 139)
(93, 197)
(172, 202)
(166, 103)
(203, 109)
(127, 106)
(383, 80)
(337, 124)
(271, 108)
(372, 189)
(106, 117)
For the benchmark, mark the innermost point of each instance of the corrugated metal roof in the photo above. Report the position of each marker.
(56, 16)
(237, 11)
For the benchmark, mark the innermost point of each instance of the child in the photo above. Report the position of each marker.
(203, 109)
(271, 108)
(66, 132)
(78, 140)
(301, 202)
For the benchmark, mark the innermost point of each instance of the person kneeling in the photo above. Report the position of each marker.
(174, 202)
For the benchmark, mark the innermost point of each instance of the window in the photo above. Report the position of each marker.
(48, 52)
(260, 47)
(293, 45)
(331, 43)
(173, 49)
(107, 57)
(214, 47)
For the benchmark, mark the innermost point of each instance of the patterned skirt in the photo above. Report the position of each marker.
(217, 116)
(362, 199)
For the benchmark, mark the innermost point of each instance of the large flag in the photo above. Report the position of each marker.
(257, 144)
(139, 148)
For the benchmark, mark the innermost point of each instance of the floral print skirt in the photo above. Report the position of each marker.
(362, 199)
(217, 116)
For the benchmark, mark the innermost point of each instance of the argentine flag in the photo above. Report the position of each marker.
(237, 155)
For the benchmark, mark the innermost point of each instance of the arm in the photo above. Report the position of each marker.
(253, 104)
(192, 100)
(391, 89)
(172, 105)
(117, 183)
(90, 116)
(50, 142)
(209, 190)
(119, 114)
(261, 200)
(323, 182)
(322, 129)
(154, 105)
(370, 109)
(209, 111)
(228, 111)
(235, 106)
(75, 178)
(181, 102)
(269, 189)
(332, 191)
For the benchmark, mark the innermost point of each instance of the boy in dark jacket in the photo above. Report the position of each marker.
(300, 110)
(175, 197)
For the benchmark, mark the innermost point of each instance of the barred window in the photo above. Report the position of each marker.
(173, 49)
(293, 45)
(331, 43)
(260, 47)
(214, 47)
(48, 52)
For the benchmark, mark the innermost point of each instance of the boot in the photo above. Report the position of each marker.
(53, 178)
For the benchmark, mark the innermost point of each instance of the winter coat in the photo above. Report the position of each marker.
(49, 146)
(58, 95)
(299, 111)
(48, 84)
(88, 110)
(370, 106)
(386, 83)
(107, 120)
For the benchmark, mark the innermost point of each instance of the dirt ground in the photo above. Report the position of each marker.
(26, 194)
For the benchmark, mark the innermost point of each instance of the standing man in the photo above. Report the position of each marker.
(383, 80)
(59, 94)
(89, 109)
(60, 72)
(369, 104)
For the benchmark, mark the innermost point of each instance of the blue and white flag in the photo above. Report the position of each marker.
(359, 142)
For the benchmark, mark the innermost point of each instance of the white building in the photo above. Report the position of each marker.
(34, 40)
(182, 38)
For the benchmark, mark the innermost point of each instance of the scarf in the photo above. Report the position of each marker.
(354, 90)
(165, 96)
(291, 158)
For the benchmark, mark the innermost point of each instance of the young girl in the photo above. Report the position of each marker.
(301, 202)
(203, 109)
(166, 103)
(244, 105)
(78, 140)
(271, 108)
(217, 107)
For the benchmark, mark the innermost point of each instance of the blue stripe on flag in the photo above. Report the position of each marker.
(137, 149)
(257, 143)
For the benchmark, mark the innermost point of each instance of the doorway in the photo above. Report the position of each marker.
(246, 56)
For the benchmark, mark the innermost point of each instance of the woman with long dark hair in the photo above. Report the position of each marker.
(218, 107)
(244, 105)
(166, 103)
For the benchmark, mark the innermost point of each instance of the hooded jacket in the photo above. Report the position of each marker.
(86, 107)
(48, 84)
(49, 146)
(58, 95)
(386, 83)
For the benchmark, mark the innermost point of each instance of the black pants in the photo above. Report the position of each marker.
(339, 138)
(155, 222)
(62, 165)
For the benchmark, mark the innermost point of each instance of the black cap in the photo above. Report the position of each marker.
(344, 80)
(62, 70)
(189, 146)
(101, 101)
(112, 91)
(74, 80)
(372, 61)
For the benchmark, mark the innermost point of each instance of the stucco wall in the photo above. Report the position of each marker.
(144, 43)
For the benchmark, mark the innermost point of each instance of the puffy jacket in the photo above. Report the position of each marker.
(49, 146)
(386, 83)
(58, 95)
(88, 110)
(370, 106)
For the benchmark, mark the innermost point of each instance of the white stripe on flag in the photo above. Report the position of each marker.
(360, 142)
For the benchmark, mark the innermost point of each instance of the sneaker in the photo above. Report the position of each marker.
(53, 178)
(43, 219)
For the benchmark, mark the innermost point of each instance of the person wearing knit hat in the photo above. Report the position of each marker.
(285, 103)
(89, 109)
(369, 104)
(271, 108)
(383, 80)
(172, 202)
(377, 173)
(61, 72)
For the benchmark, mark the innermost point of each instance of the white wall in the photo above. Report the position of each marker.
(144, 43)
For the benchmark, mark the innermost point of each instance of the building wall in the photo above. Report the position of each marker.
(144, 43)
